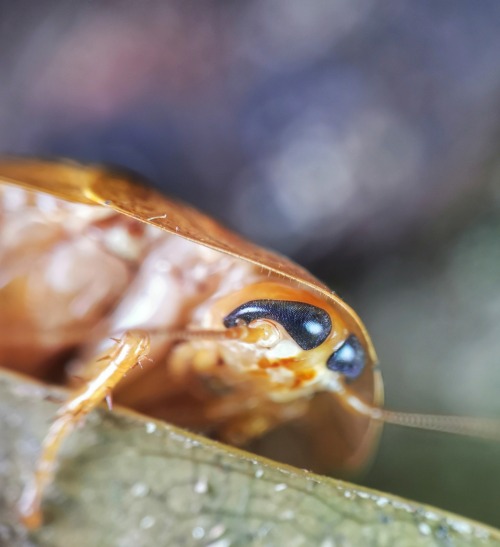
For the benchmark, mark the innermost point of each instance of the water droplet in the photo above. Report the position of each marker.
(424, 529)
(382, 502)
(463, 528)
(139, 490)
(347, 494)
(225, 542)
(429, 515)
(216, 531)
(201, 486)
(280, 487)
(259, 473)
(147, 522)
(402, 506)
(198, 532)
(150, 427)
(190, 443)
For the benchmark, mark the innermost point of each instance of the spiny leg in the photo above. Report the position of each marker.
(101, 375)
(108, 369)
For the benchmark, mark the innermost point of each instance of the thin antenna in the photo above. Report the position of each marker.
(482, 428)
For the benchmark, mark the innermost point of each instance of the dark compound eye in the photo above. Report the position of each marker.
(308, 325)
(349, 359)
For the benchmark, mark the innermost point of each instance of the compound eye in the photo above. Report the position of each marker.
(308, 325)
(349, 359)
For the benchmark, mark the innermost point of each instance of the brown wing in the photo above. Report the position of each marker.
(97, 185)
(329, 436)
(63, 179)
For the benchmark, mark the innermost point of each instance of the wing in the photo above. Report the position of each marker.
(119, 191)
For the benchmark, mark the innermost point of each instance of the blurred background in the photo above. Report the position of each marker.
(360, 137)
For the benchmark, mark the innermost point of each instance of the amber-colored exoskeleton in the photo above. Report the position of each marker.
(139, 299)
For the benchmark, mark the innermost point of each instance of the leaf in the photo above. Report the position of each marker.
(126, 480)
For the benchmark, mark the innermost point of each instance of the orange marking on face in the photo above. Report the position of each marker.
(303, 376)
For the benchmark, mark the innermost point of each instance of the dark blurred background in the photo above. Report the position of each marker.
(361, 137)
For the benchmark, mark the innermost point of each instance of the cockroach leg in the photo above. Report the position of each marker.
(108, 371)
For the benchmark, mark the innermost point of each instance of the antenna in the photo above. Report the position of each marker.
(483, 428)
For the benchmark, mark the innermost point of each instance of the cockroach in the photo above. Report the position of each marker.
(145, 300)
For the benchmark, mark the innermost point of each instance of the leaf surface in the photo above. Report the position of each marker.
(128, 481)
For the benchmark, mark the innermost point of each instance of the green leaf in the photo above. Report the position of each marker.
(125, 480)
